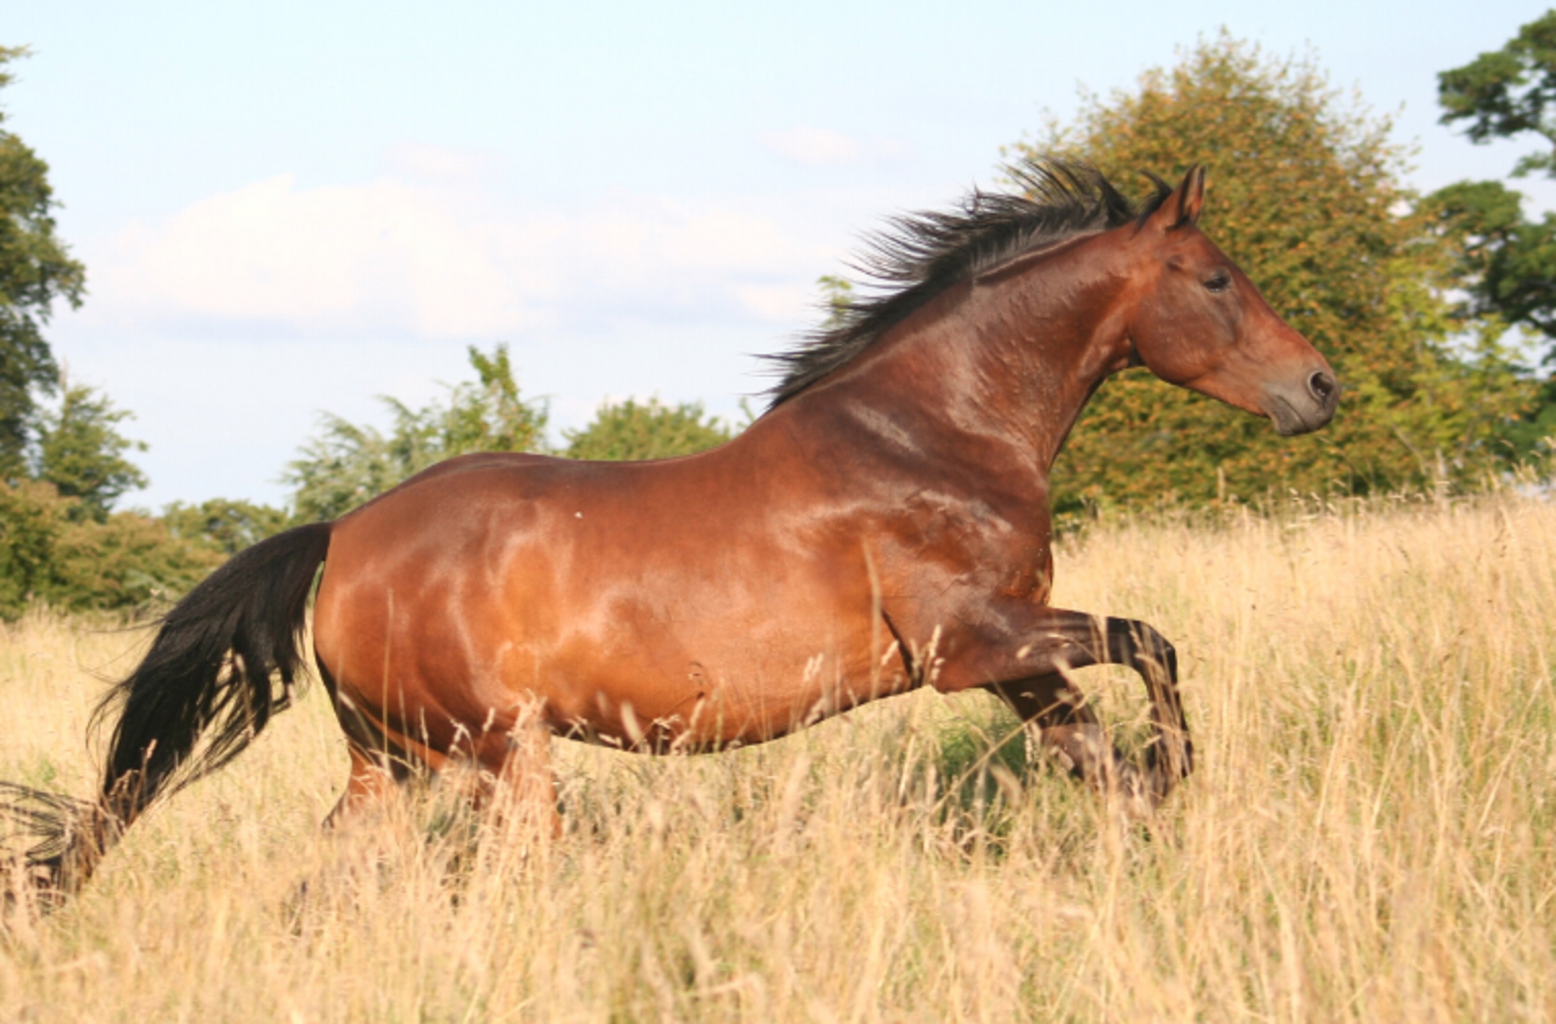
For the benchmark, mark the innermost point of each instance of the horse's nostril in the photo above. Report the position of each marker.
(1322, 386)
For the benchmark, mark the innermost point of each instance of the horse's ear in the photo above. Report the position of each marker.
(1189, 196)
(1182, 204)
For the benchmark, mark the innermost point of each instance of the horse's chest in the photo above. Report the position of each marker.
(974, 540)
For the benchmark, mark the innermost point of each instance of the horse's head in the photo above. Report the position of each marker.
(1201, 324)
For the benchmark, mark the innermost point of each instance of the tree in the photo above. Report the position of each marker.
(1506, 262)
(35, 269)
(31, 518)
(49, 553)
(227, 525)
(81, 452)
(627, 431)
(349, 464)
(1305, 195)
(1509, 92)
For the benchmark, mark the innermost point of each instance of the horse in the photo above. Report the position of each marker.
(883, 525)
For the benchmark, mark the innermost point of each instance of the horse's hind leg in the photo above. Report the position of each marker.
(372, 783)
(518, 786)
(1069, 730)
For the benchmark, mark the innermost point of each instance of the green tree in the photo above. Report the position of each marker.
(51, 554)
(81, 452)
(32, 515)
(35, 269)
(128, 562)
(627, 431)
(1305, 194)
(1506, 263)
(348, 464)
(1509, 92)
(227, 525)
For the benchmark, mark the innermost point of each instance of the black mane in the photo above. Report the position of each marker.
(924, 253)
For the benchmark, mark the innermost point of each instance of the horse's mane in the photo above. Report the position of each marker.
(922, 254)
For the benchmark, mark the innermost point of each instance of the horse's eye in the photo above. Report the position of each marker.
(1219, 282)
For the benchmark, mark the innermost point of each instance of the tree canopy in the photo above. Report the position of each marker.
(629, 431)
(1509, 92)
(228, 525)
(126, 561)
(35, 269)
(349, 463)
(80, 451)
(1506, 261)
(1305, 194)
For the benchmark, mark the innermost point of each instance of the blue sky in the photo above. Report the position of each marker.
(291, 207)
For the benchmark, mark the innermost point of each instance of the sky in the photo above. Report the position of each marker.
(286, 208)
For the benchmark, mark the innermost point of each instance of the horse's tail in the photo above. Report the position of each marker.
(202, 693)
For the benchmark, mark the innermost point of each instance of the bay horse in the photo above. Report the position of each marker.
(883, 525)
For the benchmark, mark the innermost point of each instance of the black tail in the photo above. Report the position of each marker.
(204, 691)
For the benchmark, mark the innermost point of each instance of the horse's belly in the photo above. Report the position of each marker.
(687, 687)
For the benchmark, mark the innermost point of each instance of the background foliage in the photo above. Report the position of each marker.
(629, 431)
(349, 463)
(1305, 194)
(79, 450)
(127, 561)
(1509, 92)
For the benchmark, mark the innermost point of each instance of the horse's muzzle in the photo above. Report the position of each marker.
(1298, 409)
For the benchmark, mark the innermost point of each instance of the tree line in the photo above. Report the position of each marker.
(1438, 311)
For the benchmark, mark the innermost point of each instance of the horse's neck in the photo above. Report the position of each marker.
(1011, 362)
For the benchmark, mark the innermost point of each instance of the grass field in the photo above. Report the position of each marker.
(1371, 834)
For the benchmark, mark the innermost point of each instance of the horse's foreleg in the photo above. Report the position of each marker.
(1026, 650)
(1068, 729)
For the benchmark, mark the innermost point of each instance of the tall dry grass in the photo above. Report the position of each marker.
(1369, 836)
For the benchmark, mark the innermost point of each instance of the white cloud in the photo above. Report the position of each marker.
(439, 259)
(376, 256)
